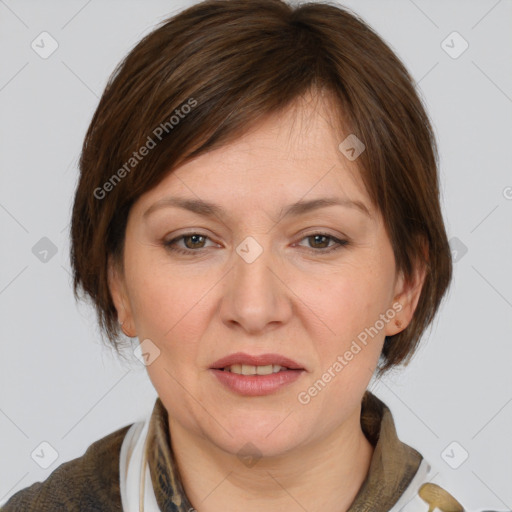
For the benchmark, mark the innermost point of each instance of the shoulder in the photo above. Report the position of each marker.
(423, 495)
(89, 482)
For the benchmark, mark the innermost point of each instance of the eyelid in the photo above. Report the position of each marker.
(321, 231)
(300, 236)
(339, 242)
(180, 236)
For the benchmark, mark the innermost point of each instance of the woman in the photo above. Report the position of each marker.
(258, 204)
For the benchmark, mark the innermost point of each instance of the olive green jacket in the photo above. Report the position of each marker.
(91, 482)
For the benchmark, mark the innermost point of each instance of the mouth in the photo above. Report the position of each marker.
(256, 375)
(263, 364)
(245, 369)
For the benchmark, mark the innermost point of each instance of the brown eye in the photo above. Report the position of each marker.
(319, 241)
(193, 242)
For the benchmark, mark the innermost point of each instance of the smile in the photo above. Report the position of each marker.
(247, 369)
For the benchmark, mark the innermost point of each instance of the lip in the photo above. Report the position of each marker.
(256, 385)
(256, 360)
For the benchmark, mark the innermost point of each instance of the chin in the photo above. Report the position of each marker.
(249, 449)
(264, 438)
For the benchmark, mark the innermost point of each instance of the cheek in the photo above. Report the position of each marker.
(166, 299)
(342, 312)
(345, 301)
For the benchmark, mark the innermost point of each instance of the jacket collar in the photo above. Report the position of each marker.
(392, 467)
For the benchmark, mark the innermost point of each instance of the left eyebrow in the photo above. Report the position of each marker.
(208, 209)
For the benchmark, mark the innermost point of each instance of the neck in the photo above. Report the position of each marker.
(324, 475)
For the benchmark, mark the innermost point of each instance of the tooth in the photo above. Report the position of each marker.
(264, 370)
(236, 368)
(248, 369)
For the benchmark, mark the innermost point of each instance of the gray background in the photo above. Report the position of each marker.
(57, 383)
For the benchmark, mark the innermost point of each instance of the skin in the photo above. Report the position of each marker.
(295, 299)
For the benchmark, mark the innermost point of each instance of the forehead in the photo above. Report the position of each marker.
(287, 157)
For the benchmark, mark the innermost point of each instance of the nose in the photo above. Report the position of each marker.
(255, 295)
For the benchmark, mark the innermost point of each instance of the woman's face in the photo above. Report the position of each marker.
(250, 279)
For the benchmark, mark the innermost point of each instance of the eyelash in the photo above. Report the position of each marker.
(340, 243)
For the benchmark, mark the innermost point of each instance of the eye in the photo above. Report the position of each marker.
(194, 242)
(323, 238)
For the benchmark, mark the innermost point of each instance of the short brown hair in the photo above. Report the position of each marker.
(232, 63)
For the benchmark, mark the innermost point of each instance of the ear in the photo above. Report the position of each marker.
(407, 295)
(120, 298)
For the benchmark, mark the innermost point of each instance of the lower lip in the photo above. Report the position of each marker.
(257, 385)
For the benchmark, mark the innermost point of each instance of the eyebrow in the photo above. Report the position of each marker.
(301, 207)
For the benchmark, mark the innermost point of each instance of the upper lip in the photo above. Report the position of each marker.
(256, 360)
